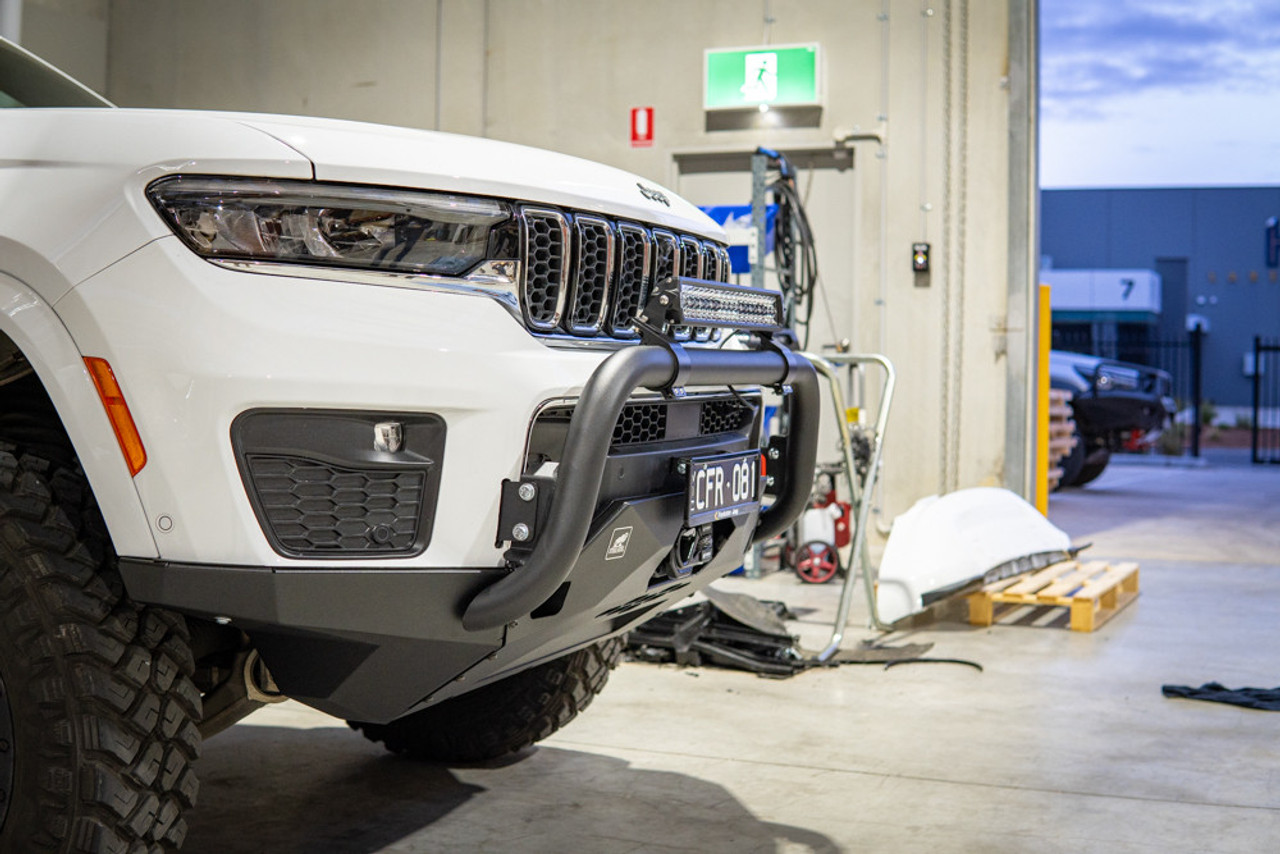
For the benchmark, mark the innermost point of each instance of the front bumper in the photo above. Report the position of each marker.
(578, 481)
(374, 644)
(195, 346)
(1143, 402)
(1105, 413)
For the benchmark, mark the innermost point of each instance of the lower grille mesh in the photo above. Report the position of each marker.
(641, 422)
(316, 508)
(724, 416)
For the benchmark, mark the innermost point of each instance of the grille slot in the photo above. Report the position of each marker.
(693, 265)
(725, 264)
(711, 262)
(724, 416)
(641, 422)
(594, 269)
(667, 262)
(666, 255)
(546, 273)
(691, 260)
(318, 509)
(633, 278)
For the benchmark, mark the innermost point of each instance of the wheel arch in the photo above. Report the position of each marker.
(31, 327)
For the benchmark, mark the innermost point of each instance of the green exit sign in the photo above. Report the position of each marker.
(773, 75)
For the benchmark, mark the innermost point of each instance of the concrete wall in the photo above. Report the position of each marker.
(563, 74)
(72, 34)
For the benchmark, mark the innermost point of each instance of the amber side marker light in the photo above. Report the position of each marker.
(135, 456)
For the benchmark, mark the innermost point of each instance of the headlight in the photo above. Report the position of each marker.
(300, 222)
(1117, 378)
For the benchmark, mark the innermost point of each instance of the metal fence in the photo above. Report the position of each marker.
(1265, 440)
(1180, 357)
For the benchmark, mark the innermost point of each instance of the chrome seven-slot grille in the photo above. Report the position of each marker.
(589, 276)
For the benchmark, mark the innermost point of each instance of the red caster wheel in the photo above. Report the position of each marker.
(817, 562)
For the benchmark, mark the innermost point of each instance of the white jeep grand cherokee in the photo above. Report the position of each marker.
(407, 426)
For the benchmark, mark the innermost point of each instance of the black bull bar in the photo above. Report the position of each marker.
(658, 368)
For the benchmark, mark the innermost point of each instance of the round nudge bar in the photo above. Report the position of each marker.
(587, 446)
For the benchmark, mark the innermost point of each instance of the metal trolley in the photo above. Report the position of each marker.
(861, 450)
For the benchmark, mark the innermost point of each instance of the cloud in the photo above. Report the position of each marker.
(1093, 51)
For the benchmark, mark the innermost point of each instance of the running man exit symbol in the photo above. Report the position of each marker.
(761, 77)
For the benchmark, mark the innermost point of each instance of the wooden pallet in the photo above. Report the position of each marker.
(1095, 592)
(1062, 430)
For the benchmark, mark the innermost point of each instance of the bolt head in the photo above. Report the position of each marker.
(774, 453)
(527, 492)
(683, 468)
(520, 532)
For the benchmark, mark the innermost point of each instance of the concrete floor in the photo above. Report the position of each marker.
(1063, 743)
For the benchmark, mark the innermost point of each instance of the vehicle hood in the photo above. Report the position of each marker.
(81, 174)
(1072, 370)
(356, 152)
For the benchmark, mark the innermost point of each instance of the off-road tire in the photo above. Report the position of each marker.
(1093, 467)
(97, 689)
(504, 717)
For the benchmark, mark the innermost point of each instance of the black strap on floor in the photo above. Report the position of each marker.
(1266, 699)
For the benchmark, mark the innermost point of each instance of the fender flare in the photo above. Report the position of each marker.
(38, 332)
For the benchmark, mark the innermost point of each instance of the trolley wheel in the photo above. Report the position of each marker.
(817, 562)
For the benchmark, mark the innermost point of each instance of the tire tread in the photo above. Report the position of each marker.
(504, 717)
(100, 685)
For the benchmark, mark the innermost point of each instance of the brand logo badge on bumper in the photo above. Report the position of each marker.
(653, 195)
(618, 541)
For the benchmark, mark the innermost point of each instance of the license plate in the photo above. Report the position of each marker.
(722, 487)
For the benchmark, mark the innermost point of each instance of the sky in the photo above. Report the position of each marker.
(1159, 93)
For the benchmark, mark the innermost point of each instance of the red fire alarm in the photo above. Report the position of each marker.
(641, 127)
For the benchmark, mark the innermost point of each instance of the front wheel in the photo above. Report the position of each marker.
(503, 717)
(98, 710)
(1093, 467)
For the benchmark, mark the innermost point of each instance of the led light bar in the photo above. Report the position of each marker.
(678, 301)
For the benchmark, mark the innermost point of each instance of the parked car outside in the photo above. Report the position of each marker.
(1116, 406)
